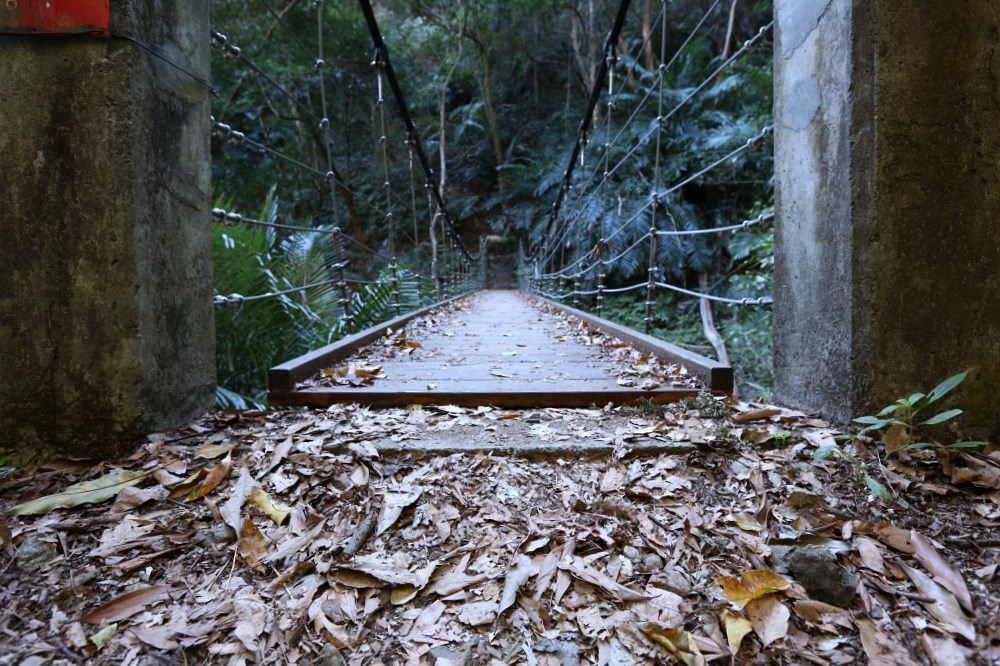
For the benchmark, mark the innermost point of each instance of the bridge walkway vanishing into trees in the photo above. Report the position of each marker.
(500, 348)
(568, 258)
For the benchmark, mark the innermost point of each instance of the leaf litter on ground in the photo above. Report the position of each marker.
(332, 537)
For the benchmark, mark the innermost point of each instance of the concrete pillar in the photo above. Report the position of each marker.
(887, 276)
(106, 322)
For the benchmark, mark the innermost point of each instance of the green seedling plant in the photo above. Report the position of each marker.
(902, 428)
(901, 423)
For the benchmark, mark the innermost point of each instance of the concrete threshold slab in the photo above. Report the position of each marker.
(445, 446)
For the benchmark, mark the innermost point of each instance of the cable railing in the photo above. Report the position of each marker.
(451, 270)
(662, 70)
(561, 254)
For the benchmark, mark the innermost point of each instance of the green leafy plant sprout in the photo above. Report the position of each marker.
(902, 426)
(901, 423)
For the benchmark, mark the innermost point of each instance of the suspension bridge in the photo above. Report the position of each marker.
(840, 327)
(509, 350)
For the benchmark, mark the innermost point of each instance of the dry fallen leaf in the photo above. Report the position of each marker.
(871, 555)
(822, 615)
(769, 617)
(161, 638)
(943, 651)
(251, 616)
(943, 606)
(578, 567)
(252, 545)
(230, 511)
(215, 450)
(751, 585)
(276, 510)
(478, 613)
(897, 438)
(737, 627)
(126, 605)
(132, 497)
(944, 572)
(393, 504)
(392, 570)
(755, 415)
(881, 648)
(87, 492)
(516, 577)
(203, 481)
(976, 472)
(679, 643)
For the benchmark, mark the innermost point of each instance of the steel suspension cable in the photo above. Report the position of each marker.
(383, 142)
(750, 143)
(383, 51)
(662, 70)
(232, 300)
(324, 123)
(746, 48)
(610, 45)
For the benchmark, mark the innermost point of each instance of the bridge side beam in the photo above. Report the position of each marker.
(888, 203)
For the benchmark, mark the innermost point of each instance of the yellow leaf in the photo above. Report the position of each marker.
(101, 638)
(214, 450)
(677, 642)
(751, 585)
(87, 492)
(265, 503)
(204, 480)
(737, 627)
(402, 594)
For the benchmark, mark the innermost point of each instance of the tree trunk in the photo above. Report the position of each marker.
(443, 117)
(708, 323)
(647, 35)
(489, 105)
(442, 160)
(727, 47)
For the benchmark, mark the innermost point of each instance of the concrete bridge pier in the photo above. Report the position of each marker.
(888, 203)
(106, 321)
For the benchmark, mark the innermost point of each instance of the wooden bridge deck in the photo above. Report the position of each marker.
(499, 348)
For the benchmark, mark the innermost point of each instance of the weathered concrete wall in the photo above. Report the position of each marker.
(813, 190)
(888, 201)
(105, 296)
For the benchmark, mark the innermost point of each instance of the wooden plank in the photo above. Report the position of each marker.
(716, 376)
(483, 385)
(516, 399)
(485, 372)
(285, 376)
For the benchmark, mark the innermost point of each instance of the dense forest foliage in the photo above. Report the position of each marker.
(497, 89)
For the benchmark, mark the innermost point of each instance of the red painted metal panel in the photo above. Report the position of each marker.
(55, 17)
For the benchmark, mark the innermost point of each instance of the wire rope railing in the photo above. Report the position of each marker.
(561, 254)
(662, 70)
(450, 271)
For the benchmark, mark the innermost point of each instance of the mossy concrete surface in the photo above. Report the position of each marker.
(106, 320)
(888, 201)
